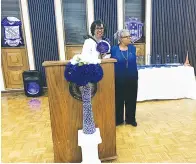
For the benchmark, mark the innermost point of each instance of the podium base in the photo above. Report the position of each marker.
(89, 145)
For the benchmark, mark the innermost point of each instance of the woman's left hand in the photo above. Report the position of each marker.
(106, 56)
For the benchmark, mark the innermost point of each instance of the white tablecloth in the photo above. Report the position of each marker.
(166, 83)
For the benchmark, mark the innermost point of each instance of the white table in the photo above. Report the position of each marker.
(166, 83)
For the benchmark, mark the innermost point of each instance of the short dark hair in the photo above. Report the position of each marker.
(97, 23)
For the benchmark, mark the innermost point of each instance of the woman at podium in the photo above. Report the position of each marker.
(126, 78)
(91, 42)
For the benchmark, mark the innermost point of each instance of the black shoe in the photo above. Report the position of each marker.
(134, 123)
(119, 123)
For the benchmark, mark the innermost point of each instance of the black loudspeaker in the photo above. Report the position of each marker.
(33, 84)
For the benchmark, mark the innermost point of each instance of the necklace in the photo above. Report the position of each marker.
(126, 58)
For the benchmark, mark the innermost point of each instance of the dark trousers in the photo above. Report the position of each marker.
(126, 93)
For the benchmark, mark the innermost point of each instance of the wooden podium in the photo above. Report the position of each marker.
(66, 113)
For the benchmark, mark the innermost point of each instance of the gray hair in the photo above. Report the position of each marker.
(120, 33)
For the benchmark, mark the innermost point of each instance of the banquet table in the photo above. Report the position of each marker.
(166, 82)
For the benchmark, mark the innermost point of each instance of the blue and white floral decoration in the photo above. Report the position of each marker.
(82, 70)
(12, 31)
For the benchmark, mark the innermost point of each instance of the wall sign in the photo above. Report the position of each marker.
(135, 28)
(12, 32)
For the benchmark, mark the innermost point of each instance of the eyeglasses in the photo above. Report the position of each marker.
(99, 28)
(127, 37)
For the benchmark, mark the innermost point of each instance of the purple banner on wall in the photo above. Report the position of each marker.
(12, 32)
(135, 28)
